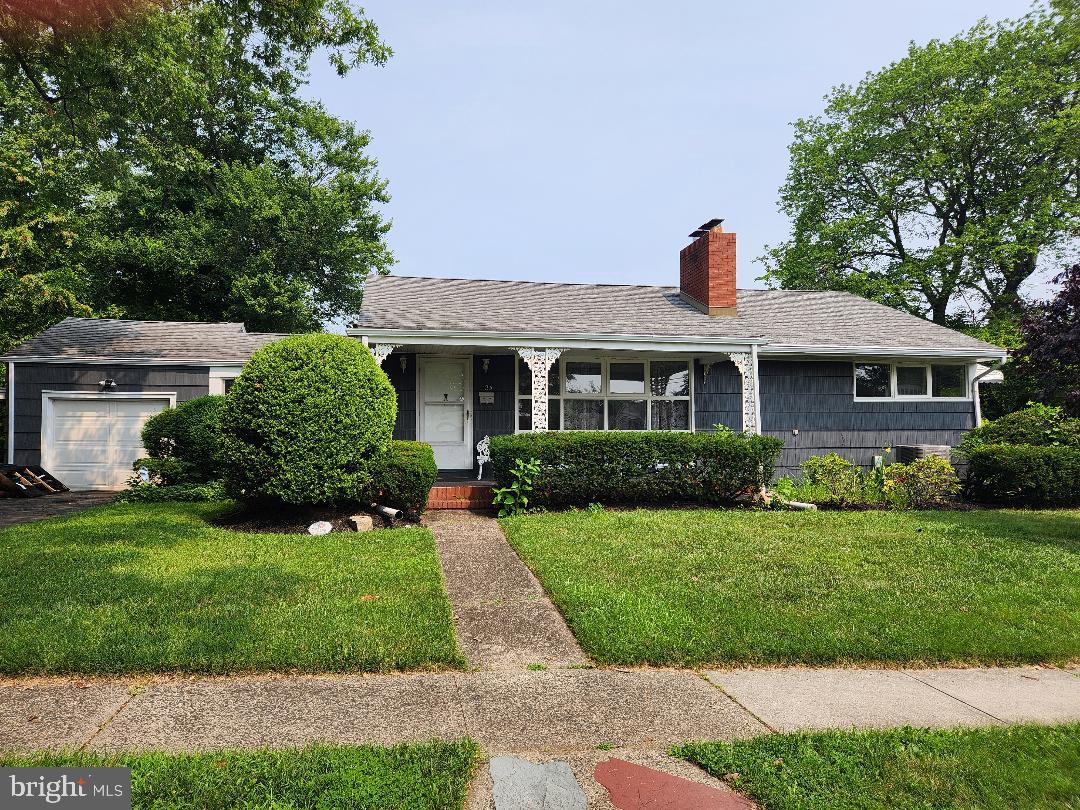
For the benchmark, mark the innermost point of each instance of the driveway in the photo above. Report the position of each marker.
(14, 511)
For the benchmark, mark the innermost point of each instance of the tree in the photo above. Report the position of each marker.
(158, 161)
(1050, 356)
(943, 178)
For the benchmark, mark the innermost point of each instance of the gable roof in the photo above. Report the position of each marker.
(99, 339)
(777, 318)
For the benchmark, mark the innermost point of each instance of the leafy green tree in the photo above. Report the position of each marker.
(159, 161)
(943, 178)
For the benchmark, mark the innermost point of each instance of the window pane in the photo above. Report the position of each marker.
(626, 414)
(872, 380)
(911, 381)
(670, 378)
(584, 414)
(524, 416)
(949, 381)
(626, 378)
(671, 414)
(227, 383)
(583, 378)
(525, 379)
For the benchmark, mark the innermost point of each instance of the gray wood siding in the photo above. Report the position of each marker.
(717, 397)
(816, 398)
(31, 379)
(404, 382)
(496, 419)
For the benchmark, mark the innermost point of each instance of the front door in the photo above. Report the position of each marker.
(445, 410)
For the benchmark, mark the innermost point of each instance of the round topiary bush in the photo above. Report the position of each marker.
(306, 421)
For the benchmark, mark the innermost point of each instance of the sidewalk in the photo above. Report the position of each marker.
(563, 710)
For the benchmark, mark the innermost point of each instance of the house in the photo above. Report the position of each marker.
(824, 371)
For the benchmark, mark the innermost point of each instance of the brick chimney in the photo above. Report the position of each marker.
(707, 270)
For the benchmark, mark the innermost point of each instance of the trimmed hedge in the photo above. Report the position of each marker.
(306, 421)
(582, 467)
(184, 443)
(1025, 475)
(404, 477)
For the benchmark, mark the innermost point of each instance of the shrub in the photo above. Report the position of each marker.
(921, 484)
(582, 467)
(839, 478)
(1025, 475)
(403, 478)
(306, 420)
(150, 493)
(184, 443)
(1039, 425)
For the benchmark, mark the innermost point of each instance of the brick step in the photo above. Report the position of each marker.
(460, 496)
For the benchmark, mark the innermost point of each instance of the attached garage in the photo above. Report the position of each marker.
(89, 441)
(79, 393)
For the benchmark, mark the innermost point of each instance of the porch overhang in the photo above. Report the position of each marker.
(511, 341)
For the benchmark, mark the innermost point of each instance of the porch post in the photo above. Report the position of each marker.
(382, 351)
(746, 362)
(539, 362)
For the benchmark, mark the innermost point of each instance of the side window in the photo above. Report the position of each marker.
(873, 380)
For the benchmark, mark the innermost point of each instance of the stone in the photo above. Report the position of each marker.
(518, 784)
(632, 786)
(361, 523)
(320, 527)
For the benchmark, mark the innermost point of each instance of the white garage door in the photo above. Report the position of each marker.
(90, 443)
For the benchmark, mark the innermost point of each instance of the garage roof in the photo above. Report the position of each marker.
(106, 339)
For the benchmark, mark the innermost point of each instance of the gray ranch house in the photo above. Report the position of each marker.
(470, 359)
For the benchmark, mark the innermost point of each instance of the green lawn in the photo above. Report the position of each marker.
(406, 777)
(693, 587)
(154, 588)
(993, 768)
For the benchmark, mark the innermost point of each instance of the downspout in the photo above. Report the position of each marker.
(975, 388)
(11, 413)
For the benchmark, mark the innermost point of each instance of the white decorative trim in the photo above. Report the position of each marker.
(483, 455)
(382, 350)
(539, 362)
(745, 362)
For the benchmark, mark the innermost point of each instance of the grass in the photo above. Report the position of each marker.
(694, 587)
(433, 775)
(991, 768)
(154, 588)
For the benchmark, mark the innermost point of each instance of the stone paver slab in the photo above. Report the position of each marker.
(578, 709)
(635, 787)
(1016, 695)
(56, 715)
(16, 511)
(282, 712)
(793, 699)
(518, 784)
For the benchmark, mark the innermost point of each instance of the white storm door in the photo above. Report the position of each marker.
(90, 442)
(445, 410)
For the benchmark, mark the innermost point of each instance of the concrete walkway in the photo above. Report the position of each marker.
(564, 710)
(502, 616)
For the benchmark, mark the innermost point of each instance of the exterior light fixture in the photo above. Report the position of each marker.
(108, 384)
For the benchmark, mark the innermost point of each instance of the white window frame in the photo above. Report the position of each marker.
(604, 395)
(893, 390)
(218, 376)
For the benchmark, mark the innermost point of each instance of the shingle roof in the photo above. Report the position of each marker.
(107, 339)
(780, 317)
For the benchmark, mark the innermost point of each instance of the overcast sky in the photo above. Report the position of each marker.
(582, 141)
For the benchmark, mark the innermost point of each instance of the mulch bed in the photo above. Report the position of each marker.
(284, 519)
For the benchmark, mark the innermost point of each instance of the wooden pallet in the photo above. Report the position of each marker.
(27, 481)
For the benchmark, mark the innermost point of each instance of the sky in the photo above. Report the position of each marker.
(583, 141)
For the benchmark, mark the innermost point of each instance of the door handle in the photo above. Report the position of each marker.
(468, 415)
